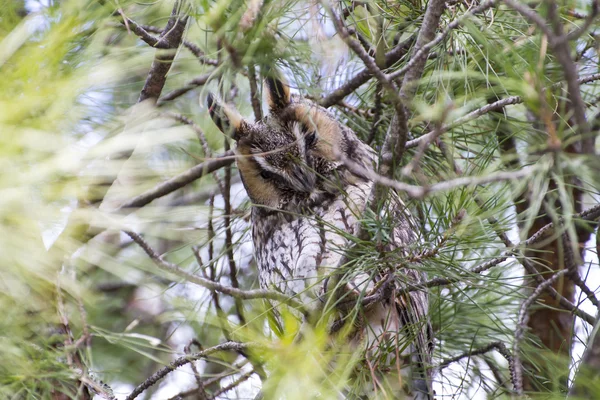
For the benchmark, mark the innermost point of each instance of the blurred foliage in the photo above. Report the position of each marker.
(72, 72)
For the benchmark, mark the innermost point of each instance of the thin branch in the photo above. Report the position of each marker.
(377, 114)
(144, 34)
(589, 368)
(420, 192)
(244, 377)
(186, 360)
(414, 69)
(195, 50)
(499, 346)
(191, 85)
(254, 95)
(364, 75)
(398, 131)
(517, 372)
(200, 391)
(199, 133)
(591, 296)
(226, 193)
(208, 284)
(589, 19)
(171, 36)
(180, 180)
(564, 303)
(419, 56)
(348, 87)
(424, 144)
(495, 106)
(530, 15)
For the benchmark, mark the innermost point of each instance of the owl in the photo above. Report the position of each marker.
(306, 207)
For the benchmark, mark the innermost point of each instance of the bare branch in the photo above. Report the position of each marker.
(195, 50)
(157, 376)
(364, 75)
(574, 276)
(420, 55)
(171, 36)
(143, 34)
(589, 19)
(414, 69)
(226, 193)
(422, 191)
(191, 85)
(254, 95)
(180, 180)
(530, 15)
(199, 133)
(499, 346)
(589, 368)
(208, 284)
(495, 106)
(244, 377)
(396, 137)
(517, 372)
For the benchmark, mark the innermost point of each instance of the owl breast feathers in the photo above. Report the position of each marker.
(306, 205)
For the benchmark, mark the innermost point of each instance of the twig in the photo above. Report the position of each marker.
(244, 377)
(180, 180)
(398, 131)
(364, 75)
(239, 306)
(576, 33)
(499, 346)
(193, 84)
(574, 276)
(517, 372)
(530, 15)
(254, 96)
(424, 144)
(419, 192)
(208, 284)
(134, 27)
(195, 50)
(495, 106)
(564, 303)
(172, 36)
(419, 56)
(465, 118)
(414, 68)
(186, 360)
(200, 391)
(559, 44)
(199, 133)
(377, 114)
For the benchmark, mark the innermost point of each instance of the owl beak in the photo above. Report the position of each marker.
(303, 180)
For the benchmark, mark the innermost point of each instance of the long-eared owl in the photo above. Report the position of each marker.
(306, 207)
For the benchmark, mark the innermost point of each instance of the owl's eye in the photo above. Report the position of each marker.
(266, 174)
(310, 139)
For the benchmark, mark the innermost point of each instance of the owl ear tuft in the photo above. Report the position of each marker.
(227, 119)
(278, 92)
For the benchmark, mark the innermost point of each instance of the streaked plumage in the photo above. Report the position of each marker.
(305, 201)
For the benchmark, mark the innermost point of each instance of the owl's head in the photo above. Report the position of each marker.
(292, 158)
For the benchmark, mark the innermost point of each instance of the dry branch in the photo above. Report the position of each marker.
(208, 284)
(157, 376)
